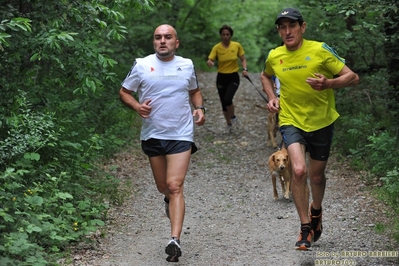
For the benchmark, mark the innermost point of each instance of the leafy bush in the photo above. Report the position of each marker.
(391, 187)
(382, 146)
(48, 198)
(27, 131)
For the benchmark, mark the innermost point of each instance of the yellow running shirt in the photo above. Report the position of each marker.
(227, 57)
(300, 105)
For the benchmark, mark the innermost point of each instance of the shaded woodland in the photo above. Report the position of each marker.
(61, 66)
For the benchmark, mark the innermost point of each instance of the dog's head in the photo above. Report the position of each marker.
(280, 159)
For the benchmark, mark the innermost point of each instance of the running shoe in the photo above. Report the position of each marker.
(173, 250)
(234, 121)
(316, 222)
(166, 207)
(305, 238)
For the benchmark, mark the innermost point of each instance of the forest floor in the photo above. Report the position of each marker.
(231, 215)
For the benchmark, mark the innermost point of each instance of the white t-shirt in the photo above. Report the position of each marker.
(277, 81)
(167, 85)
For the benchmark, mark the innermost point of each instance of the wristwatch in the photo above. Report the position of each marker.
(245, 69)
(201, 107)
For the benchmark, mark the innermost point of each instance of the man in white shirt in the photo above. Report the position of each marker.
(166, 84)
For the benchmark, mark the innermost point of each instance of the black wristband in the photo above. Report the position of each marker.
(201, 107)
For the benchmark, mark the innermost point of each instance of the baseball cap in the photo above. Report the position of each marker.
(291, 13)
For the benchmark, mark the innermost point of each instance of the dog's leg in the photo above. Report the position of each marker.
(283, 188)
(272, 129)
(287, 189)
(274, 186)
(273, 140)
(269, 129)
(275, 129)
(268, 137)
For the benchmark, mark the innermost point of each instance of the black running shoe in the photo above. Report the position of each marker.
(305, 238)
(316, 222)
(173, 250)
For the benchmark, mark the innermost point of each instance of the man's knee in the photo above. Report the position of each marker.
(318, 180)
(175, 187)
(299, 175)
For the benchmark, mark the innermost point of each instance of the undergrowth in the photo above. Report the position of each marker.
(367, 136)
(52, 193)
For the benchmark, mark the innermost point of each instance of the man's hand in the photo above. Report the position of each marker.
(320, 83)
(273, 105)
(145, 109)
(199, 117)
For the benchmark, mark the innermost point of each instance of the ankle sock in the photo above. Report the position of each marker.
(306, 225)
(175, 239)
(315, 212)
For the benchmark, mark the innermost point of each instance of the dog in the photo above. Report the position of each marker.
(279, 166)
(272, 128)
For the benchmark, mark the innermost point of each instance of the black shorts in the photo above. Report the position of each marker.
(155, 147)
(317, 143)
(227, 85)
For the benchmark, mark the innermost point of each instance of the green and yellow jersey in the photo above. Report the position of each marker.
(301, 105)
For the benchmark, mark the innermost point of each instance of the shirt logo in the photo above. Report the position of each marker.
(281, 61)
(179, 69)
(152, 69)
(307, 58)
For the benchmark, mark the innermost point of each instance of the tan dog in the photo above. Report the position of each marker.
(279, 166)
(272, 127)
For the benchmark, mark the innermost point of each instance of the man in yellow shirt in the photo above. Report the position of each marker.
(306, 107)
(227, 53)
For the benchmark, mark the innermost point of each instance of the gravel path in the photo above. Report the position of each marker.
(231, 216)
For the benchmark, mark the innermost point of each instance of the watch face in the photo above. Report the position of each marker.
(202, 108)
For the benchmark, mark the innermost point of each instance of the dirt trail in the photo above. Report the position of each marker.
(231, 216)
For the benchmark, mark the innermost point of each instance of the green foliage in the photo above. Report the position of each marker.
(39, 217)
(389, 194)
(48, 198)
(391, 187)
(60, 114)
(61, 66)
(14, 24)
(25, 132)
(382, 146)
(356, 128)
(366, 129)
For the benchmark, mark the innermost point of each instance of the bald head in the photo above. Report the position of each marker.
(165, 42)
(166, 27)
